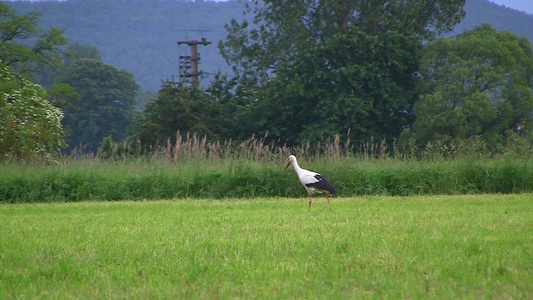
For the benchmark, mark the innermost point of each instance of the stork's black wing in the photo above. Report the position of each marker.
(322, 184)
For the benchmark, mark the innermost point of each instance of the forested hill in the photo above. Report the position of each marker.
(140, 36)
(502, 18)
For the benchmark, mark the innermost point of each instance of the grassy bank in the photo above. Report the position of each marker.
(137, 179)
(436, 247)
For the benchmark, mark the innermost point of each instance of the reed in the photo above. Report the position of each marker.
(192, 146)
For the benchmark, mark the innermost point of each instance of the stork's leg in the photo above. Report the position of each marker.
(327, 197)
(309, 202)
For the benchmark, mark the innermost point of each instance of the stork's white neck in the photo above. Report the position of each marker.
(296, 167)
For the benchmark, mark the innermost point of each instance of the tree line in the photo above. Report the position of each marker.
(305, 71)
(362, 70)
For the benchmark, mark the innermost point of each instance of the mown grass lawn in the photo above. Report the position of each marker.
(367, 247)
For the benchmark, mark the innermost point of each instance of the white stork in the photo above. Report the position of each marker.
(312, 181)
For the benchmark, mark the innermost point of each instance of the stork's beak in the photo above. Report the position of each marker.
(287, 165)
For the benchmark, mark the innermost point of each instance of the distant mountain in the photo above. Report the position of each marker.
(502, 18)
(520, 5)
(141, 36)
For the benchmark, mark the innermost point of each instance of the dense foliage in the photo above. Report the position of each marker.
(185, 109)
(354, 84)
(478, 84)
(283, 30)
(321, 68)
(26, 47)
(30, 127)
(105, 106)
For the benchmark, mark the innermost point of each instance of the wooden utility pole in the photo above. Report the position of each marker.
(191, 62)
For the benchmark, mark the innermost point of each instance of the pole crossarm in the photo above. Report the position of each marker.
(193, 59)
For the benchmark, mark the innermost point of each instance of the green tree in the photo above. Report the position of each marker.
(318, 68)
(105, 106)
(30, 127)
(328, 90)
(187, 109)
(77, 51)
(71, 53)
(24, 46)
(62, 95)
(283, 29)
(477, 84)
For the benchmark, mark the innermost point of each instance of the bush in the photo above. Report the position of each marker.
(30, 127)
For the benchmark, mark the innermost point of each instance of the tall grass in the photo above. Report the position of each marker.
(242, 178)
(436, 247)
(192, 167)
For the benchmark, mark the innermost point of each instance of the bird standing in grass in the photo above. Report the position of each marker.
(312, 181)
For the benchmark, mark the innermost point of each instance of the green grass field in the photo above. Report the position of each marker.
(436, 247)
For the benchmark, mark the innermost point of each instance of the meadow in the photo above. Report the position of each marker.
(201, 220)
(434, 247)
